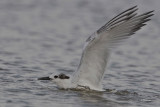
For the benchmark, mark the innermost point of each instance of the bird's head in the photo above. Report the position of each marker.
(61, 80)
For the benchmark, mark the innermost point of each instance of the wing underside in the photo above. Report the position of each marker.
(97, 49)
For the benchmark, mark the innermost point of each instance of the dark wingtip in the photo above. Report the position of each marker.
(152, 11)
(133, 7)
(44, 78)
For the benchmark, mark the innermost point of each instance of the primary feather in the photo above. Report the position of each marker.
(98, 46)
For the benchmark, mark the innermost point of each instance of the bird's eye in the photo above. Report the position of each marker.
(55, 76)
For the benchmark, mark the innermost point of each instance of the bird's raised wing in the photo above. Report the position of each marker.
(97, 49)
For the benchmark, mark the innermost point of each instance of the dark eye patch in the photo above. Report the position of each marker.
(63, 76)
(55, 76)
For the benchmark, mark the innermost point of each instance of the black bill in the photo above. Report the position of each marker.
(44, 78)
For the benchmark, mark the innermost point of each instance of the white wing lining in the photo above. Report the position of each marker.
(96, 52)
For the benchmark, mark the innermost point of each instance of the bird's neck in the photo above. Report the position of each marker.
(65, 83)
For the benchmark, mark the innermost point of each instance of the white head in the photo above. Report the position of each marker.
(61, 80)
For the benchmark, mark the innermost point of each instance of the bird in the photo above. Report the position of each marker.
(97, 49)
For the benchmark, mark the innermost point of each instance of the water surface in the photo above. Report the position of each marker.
(39, 37)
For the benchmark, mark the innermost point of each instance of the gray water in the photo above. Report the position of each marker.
(38, 37)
